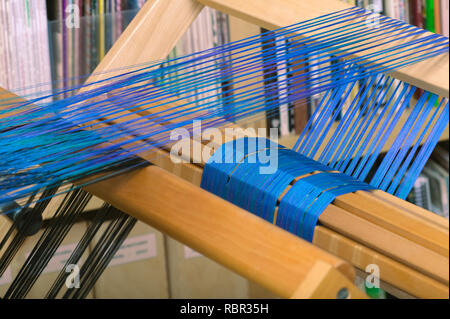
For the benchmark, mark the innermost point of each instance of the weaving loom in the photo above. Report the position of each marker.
(102, 140)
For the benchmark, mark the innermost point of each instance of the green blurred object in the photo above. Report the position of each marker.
(375, 293)
(429, 15)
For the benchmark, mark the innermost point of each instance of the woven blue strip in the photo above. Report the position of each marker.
(238, 172)
(302, 205)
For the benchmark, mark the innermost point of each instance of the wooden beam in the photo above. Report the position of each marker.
(431, 74)
(243, 242)
(149, 37)
(324, 282)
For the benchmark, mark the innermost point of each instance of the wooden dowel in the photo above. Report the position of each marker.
(391, 271)
(415, 210)
(395, 220)
(395, 246)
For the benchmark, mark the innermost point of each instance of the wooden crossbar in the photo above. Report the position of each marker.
(276, 14)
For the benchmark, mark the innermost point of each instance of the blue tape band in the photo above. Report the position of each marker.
(253, 173)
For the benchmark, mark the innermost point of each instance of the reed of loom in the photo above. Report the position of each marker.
(408, 243)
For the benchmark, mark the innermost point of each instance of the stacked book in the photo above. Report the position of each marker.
(431, 190)
(24, 48)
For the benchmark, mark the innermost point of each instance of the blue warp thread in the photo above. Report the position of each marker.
(234, 173)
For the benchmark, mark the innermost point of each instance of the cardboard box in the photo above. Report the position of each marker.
(192, 275)
(138, 269)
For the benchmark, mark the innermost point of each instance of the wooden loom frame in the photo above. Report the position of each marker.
(408, 243)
